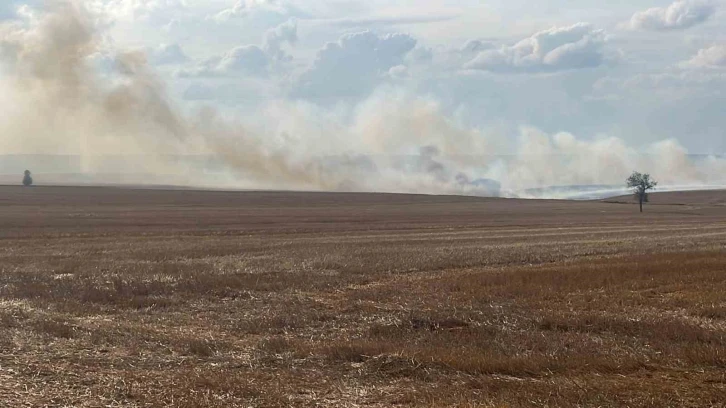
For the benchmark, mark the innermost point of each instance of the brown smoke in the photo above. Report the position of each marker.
(62, 105)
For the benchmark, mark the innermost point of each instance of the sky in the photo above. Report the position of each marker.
(641, 72)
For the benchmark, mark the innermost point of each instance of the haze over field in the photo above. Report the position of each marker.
(386, 103)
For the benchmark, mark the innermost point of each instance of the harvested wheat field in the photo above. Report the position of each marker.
(145, 298)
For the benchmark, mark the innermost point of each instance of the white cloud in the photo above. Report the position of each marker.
(276, 37)
(354, 65)
(474, 47)
(9, 8)
(712, 57)
(241, 62)
(556, 49)
(259, 8)
(248, 60)
(399, 72)
(680, 15)
(155, 10)
(168, 54)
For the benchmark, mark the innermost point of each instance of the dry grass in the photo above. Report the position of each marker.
(114, 297)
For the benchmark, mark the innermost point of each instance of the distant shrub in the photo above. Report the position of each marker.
(27, 179)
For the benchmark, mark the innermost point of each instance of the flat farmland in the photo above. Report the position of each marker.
(114, 297)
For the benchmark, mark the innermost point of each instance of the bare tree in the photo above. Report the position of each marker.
(641, 184)
(27, 179)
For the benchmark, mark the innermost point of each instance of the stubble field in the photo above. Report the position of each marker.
(147, 298)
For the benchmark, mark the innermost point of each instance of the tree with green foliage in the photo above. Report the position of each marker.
(641, 184)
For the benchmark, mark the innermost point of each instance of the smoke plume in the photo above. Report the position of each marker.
(59, 103)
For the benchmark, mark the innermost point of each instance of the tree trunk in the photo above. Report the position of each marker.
(641, 203)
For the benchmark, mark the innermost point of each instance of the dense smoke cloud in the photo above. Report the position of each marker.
(58, 102)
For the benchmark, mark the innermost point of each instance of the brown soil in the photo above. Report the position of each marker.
(151, 298)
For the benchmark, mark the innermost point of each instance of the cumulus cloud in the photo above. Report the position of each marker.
(168, 54)
(556, 49)
(276, 37)
(678, 16)
(354, 65)
(399, 72)
(270, 9)
(249, 60)
(242, 60)
(712, 57)
(9, 8)
(474, 47)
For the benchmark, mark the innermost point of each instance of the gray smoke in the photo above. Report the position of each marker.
(124, 128)
(62, 105)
